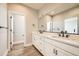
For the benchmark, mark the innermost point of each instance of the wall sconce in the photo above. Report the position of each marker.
(42, 25)
(33, 25)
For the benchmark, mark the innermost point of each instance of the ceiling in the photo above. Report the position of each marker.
(51, 8)
(36, 6)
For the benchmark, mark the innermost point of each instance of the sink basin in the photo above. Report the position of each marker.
(54, 36)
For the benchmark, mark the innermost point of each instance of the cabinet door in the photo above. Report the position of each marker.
(49, 49)
(42, 44)
(36, 39)
(38, 42)
(32, 38)
(60, 52)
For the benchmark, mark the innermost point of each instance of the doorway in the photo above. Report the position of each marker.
(17, 26)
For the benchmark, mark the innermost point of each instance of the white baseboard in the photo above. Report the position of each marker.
(6, 52)
(18, 42)
(28, 45)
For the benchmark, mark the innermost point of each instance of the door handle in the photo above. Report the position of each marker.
(11, 30)
(3, 27)
(22, 34)
(54, 51)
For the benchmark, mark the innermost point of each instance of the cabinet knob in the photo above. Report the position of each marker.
(56, 52)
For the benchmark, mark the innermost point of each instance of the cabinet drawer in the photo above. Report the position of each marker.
(60, 52)
(71, 49)
(48, 49)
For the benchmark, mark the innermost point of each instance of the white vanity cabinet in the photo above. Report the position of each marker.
(35, 40)
(50, 47)
(38, 42)
(54, 50)
(60, 52)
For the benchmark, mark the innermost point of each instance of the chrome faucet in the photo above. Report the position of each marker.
(62, 32)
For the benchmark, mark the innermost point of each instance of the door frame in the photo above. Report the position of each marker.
(10, 12)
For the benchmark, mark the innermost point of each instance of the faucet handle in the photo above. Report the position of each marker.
(59, 34)
(62, 32)
(67, 36)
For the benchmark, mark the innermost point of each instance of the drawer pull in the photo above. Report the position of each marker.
(56, 53)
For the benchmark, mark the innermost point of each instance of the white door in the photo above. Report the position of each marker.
(19, 33)
(3, 28)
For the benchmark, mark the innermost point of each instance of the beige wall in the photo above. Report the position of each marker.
(31, 18)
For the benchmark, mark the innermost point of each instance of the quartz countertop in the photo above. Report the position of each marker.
(72, 40)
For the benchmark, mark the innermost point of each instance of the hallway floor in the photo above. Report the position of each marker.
(20, 50)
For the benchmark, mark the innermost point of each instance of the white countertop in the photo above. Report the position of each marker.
(73, 40)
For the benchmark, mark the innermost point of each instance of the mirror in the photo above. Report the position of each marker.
(45, 23)
(71, 25)
(50, 24)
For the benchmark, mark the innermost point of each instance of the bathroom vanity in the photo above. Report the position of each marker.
(50, 44)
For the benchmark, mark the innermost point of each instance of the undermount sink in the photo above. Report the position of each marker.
(54, 36)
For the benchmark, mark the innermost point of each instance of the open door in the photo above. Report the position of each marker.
(17, 28)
